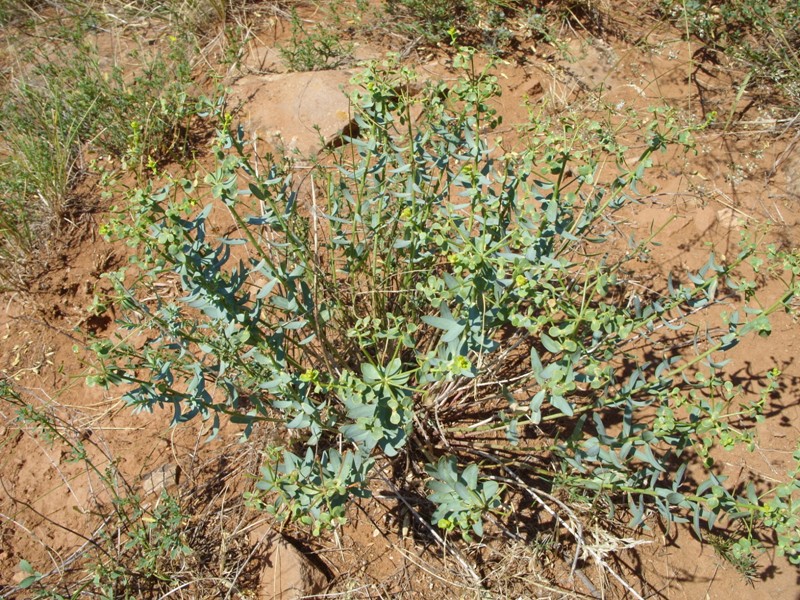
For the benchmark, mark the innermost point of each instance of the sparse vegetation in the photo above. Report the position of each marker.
(486, 25)
(425, 311)
(70, 107)
(317, 47)
(760, 34)
(140, 546)
(435, 19)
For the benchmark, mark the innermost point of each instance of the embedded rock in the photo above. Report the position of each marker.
(164, 478)
(300, 112)
(286, 573)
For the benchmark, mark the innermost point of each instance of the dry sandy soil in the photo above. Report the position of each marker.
(746, 172)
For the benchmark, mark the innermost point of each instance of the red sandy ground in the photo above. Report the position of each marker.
(742, 174)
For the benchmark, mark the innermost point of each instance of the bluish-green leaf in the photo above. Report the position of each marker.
(549, 343)
(562, 404)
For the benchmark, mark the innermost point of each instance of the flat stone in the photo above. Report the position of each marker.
(163, 478)
(729, 218)
(704, 218)
(286, 573)
(590, 63)
(300, 112)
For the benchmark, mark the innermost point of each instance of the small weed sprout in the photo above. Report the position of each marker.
(461, 499)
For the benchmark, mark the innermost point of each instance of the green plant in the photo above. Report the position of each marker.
(440, 296)
(462, 22)
(432, 19)
(314, 491)
(316, 49)
(18, 236)
(461, 499)
(33, 576)
(68, 107)
(157, 540)
(744, 563)
(15, 10)
(129, 118)
(41, 141)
